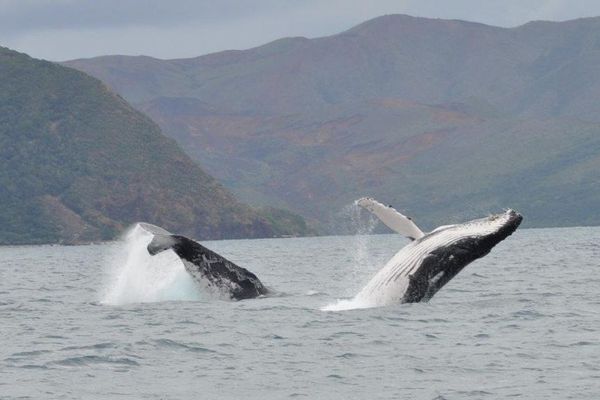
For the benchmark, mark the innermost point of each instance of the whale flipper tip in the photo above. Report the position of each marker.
(160, 243)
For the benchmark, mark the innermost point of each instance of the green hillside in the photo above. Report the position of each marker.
(78, 164)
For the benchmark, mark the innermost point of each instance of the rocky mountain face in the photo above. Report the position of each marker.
(445, 119)
(79, 164)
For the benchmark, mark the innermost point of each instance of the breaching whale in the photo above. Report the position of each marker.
(430, 260)
(205, 266)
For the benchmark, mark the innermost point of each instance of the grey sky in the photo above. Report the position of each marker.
(67, 29)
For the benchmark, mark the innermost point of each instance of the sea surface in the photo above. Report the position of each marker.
(99, 322)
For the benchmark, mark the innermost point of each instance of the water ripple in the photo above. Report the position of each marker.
(93, 360)
(521, 322)
(172, 344)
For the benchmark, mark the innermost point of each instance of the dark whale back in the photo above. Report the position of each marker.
(208, 267)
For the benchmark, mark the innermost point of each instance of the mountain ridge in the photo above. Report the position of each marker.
(369, 110)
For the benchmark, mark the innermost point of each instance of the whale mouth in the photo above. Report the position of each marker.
(513, 220)
(497, 228)
(515, 215)
(509, 214)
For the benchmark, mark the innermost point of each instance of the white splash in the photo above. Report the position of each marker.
(360, 258)
(137, 277)
(347, 304)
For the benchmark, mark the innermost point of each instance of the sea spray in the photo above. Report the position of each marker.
(134, 276)
(362, 224)
(361, 263)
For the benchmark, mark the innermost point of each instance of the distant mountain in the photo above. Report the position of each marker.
(77, 164)
(446, 119)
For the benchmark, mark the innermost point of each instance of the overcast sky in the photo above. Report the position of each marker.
(65, 29)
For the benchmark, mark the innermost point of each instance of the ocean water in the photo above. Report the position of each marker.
(101, 321)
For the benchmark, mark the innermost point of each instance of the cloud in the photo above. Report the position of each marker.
(66, 29)
(26, 15)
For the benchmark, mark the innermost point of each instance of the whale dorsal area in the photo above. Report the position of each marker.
(391, 218)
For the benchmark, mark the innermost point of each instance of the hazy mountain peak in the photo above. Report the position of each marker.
(401, 22)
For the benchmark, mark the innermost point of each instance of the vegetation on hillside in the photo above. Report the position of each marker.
(78, 164)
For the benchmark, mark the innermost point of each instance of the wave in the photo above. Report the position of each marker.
(91, 360)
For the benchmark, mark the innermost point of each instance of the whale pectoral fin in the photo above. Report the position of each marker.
(160, 243)
(391, 218)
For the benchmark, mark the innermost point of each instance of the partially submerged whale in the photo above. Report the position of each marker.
(205, 266)
(432, 259)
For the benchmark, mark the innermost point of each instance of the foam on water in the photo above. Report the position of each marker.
(134, 276)
(347, 304)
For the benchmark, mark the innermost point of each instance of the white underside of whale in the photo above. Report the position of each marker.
(389, 285)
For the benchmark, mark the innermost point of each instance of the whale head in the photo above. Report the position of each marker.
(479, 234)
